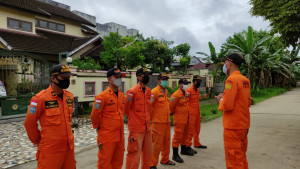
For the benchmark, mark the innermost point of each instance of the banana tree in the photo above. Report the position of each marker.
(251, 49)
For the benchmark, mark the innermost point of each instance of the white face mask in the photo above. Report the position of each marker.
(118, 82)
(185, 87)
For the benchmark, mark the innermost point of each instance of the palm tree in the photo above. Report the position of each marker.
(250, 48)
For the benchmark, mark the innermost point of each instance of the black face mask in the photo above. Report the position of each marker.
(197, 85)
(64, 84)
(146, 79)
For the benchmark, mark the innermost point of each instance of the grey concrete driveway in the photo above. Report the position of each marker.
(274, 139)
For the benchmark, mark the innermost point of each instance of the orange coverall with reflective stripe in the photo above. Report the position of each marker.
(194, 116)
(160, 117)
(179, 108)
(236, 119)
(137, 104)
(108, 117)
(55, 141)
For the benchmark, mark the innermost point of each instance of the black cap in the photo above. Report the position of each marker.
(144, 71)
(197, 77)
(163, 75)
(183, 81)
(115, 72)
(235, 58)
(61, 69)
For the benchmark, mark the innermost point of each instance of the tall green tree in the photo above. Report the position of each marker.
(284, 17)
(158, 54)
(124, 52)
(182, 50)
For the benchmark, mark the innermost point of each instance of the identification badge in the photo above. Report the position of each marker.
(51, 104)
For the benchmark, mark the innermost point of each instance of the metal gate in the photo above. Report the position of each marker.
(23, 75)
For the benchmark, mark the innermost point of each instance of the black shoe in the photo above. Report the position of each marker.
(153, 167)
(184, 151)
(202, 146)
(191, 150)
(176, 156)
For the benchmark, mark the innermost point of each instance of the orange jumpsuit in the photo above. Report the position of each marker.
(55, 140)
(179, 108)
(236, 120)
(137, 104)
(194, 116)
(108, 117)
(160, 117)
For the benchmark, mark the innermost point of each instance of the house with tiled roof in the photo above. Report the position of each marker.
(35, 34)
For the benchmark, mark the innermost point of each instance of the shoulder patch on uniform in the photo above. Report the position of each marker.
(152, 98)
(228, 86)
(97, 106)
(32, 109)
(69, 101)
(34, 103)
(98, 100)
(172, 99)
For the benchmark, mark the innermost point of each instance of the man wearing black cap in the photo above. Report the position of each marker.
(194, 116)
(137, 104)
(235, 103)
(180, 110)
(108, 119)
(160, 117)
(53, 108)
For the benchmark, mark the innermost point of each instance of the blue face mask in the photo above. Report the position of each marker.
(164, 83)
(224, 69)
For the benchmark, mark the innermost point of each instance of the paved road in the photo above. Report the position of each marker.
(274, 139)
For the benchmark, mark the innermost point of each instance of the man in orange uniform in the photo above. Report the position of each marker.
(137, 104)
(180, 110)
(53, 107)
(194, 116)
(108, 119)
(160, 117)
(235, 103)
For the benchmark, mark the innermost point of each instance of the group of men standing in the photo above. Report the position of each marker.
(148, 113)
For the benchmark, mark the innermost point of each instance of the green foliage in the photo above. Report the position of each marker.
(122, 51)
(258, 95)
(284, 17)
(210, 112)
(182, 50)
(86, 64)
(158, 54)
(267, 61)
(171, 90)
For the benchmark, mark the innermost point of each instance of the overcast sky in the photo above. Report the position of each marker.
(183, 21)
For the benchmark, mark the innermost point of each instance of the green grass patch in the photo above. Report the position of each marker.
(210, 112)
(259, 95)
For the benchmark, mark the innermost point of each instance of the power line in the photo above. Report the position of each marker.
(232, 3)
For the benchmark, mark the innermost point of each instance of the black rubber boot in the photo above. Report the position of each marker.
(191, 150)
(176, 156)
(185, 152)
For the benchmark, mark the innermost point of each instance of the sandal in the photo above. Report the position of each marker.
(168, 163)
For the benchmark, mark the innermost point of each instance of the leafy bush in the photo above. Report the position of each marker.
(86, 64)
(171, 91)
